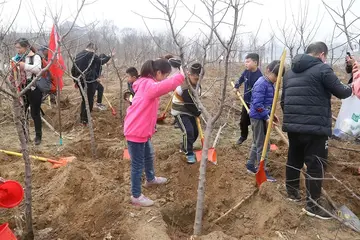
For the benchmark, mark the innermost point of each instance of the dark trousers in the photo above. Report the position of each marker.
(244, 123)
(91, 89)
(100, 90)
(313, 151)
(190, 132)
(33, 99)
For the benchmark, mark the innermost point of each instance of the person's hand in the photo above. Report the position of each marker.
(112, 53)
(276, 120)
(2, 180)
(356, 67)
(235, 90)
(21, 65)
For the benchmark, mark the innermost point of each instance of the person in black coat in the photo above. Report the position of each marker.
(306, 103)
(87, 68)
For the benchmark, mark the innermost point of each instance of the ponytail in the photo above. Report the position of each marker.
(150, 67)
(147, 69)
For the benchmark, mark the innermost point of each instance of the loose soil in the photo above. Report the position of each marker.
(89, 197)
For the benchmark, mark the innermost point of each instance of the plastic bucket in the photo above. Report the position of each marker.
(6, 233)
(11, 194)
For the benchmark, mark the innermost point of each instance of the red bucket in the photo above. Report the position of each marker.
(6, 233)
(11, 194)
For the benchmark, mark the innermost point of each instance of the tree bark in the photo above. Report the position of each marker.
(202, 180)
(21, 128)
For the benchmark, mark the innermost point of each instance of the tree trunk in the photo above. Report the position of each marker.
(21, 128)
(202, 180)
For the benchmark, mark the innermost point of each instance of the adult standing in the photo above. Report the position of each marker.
(30, 64)
(306, 102)
(89, 65)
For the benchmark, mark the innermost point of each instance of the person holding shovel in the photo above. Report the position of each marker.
(260, 109)
(185, 111)
(306, 103)
(248, 77)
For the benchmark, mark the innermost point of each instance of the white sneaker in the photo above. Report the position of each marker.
(101, 106)
(156, 181)
(142, 201)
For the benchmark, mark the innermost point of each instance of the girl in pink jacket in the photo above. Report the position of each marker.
(140, 123)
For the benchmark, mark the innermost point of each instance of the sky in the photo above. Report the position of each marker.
(266, 13)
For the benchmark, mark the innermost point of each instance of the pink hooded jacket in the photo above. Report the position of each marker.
(356, 80)
(141, 116)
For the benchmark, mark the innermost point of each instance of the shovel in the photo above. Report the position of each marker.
(344, 214)
(111, 107)
(273, 147)
(261, 175)
(55, 163)
(163, 115)
(211, 152)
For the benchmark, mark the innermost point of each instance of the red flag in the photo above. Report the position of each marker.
(57, 68)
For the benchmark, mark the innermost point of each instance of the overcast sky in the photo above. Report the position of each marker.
(121, 12)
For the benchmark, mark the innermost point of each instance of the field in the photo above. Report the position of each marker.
(89, 198)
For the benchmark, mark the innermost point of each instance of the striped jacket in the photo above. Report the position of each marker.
(183, 102)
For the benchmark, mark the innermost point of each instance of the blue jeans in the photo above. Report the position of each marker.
(142, 155)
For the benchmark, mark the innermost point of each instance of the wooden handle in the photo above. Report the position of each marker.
(198, 123)
(273, 108)
(169, 103)
(241, 99)
(20, 155)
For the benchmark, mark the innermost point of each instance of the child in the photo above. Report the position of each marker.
(260, 108)
(132, 75)
(140, 120)
(249, 77)
(185, 111)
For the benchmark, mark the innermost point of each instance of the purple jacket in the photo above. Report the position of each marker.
(262, 98)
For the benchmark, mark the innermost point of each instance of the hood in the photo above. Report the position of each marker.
(302, 62)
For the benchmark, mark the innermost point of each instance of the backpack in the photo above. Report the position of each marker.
(46, 83)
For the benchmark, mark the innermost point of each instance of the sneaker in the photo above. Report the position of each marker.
(191, 159)
(294, 196)
(142, 201)
(156, 181)
(250, 168)
(101, 106)
(240, 140)
(317, 212)
(269, 178)
(37, 141)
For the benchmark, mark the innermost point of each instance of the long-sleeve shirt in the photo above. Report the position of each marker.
(248, 78)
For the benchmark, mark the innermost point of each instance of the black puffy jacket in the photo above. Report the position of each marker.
(86, 58)
(306, 96)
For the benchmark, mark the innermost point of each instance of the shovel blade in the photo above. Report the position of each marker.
(161, 118)
(126, 154)
(261, 175)
(349, 217)
(212, 157)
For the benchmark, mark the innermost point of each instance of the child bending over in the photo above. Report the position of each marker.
(186, 112)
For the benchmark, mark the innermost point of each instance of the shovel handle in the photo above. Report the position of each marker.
(20, 155)
(169, 103)
(198, 123)
(241, 99)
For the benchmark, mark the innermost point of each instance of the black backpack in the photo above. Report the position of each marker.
(44, 83)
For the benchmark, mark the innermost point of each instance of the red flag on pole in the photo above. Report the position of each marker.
(57, 68)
